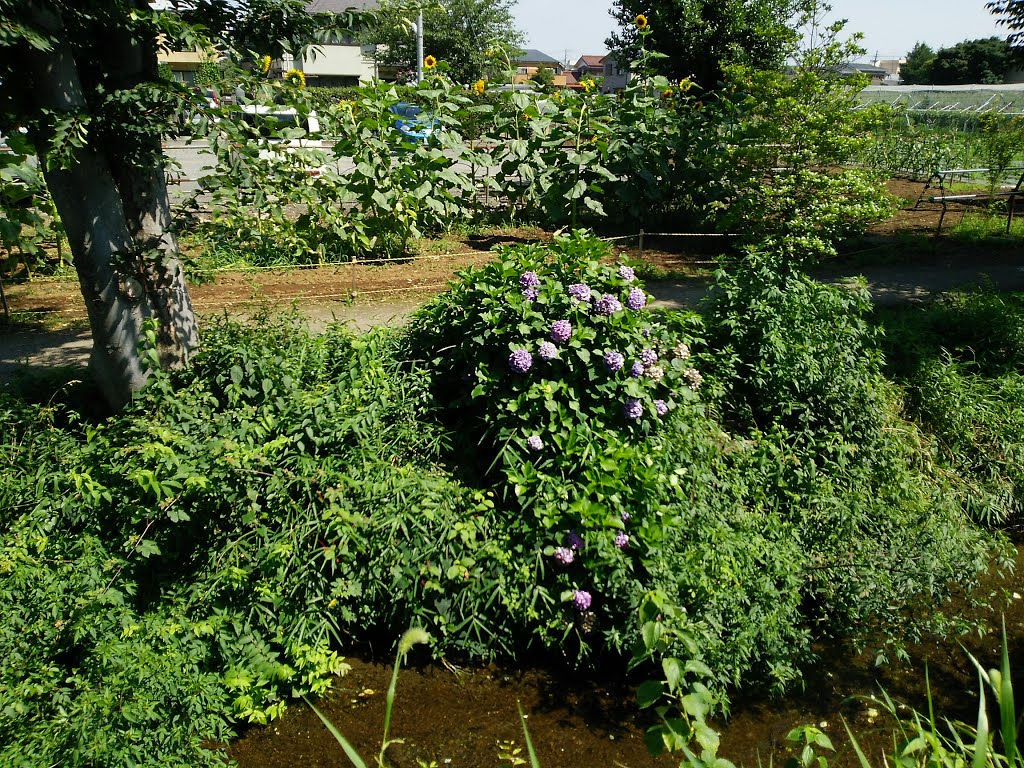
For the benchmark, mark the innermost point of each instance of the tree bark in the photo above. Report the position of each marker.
(131, 61)
(116, 217)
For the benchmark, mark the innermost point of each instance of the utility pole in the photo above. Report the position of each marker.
(419, 46)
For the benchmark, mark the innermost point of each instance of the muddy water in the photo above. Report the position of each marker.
(459, 717)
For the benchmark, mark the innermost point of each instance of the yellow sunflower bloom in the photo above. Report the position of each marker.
(640, 21)
(666, 93)
(265, 64)
(588, 85)
(480, 86)
(295, 77)
(429, 63)
(685, 84)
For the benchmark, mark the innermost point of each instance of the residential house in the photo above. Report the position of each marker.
(892, 69)
(877, 75)
(338, 62)
(589, 66)
(335, 63)
(183, 65)
(615, 75)
(531, 60)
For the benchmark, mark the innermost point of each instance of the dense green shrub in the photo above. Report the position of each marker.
(800, 516)
(801, 374)
(960, 361)
(87, 678)
(559, 379)
(242, 520)
(766, 158)
(796, 353)
(291, 494)
(280, 198)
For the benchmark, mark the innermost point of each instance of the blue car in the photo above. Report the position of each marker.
(413, 122)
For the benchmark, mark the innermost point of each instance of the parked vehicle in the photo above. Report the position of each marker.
(268, 120)
(210, 94)
(414, 122)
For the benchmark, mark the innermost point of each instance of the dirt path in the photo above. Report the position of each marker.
(888, 285)
(368, 294)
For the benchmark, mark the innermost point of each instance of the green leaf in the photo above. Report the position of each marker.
(672, 668)
(652, 633)
(346, 747)
(649, 693)
(706, 736)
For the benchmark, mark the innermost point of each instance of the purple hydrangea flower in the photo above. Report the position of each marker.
(608, 304)
(627, 273)
(529, 280)
(621, 540)
(520, 361)
(649, 356)
(645, 332)
(574, 540)
(637, 299)
(531, 294)
(637, 370)
(564, 555)
(547, 351)
(561, 330)
(614, 361)
(693, 378)
(633, 409)
(535, 443)
(661, 407)
(625, 517)
(580, 291)
(581, 600)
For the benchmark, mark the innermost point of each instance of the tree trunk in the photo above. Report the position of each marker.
(115, 218)
(131, 61)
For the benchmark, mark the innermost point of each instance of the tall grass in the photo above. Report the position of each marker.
(960, 363)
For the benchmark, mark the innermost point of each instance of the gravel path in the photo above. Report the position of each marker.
(888, 285)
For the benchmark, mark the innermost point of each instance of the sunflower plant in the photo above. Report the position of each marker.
(295, 77)
(400, 188)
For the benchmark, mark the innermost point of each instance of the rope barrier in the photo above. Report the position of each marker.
(310, 296)
(688, 234)
(397, 261)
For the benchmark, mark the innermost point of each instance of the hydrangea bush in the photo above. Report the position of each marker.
(555, 345)
(559, 377)
(620, 474)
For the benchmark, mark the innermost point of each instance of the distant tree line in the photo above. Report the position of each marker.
(984, 61)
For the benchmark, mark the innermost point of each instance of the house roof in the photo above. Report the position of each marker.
(591, 61)
(340, 6)
(862, 69)
(533, 55)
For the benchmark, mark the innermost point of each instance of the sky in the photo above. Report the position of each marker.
(567, 29)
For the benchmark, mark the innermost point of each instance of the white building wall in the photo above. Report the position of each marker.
(340, 61)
